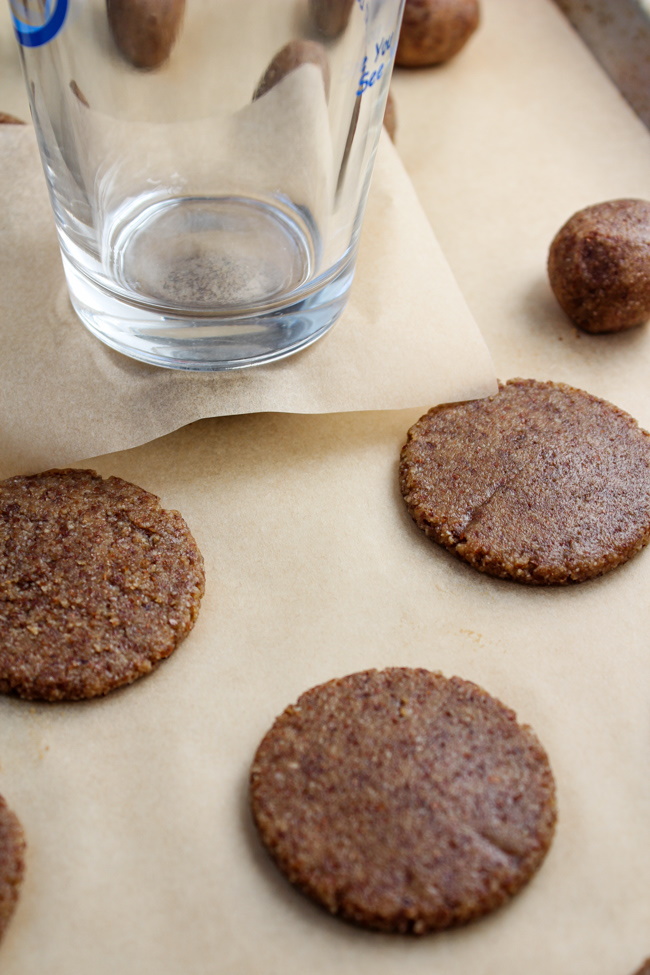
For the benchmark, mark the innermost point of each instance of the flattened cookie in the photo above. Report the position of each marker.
(98, 583)
(541, 483)
(12, 863)
(402, 800)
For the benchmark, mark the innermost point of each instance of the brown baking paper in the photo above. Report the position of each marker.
(405, 338)
(142, 858)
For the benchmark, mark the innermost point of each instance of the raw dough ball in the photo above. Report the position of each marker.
(599, 266)
(331, 16)
(434, 31)
(293, 55)
(390, 117)
(145, 31)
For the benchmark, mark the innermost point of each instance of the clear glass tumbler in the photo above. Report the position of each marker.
(208, 163)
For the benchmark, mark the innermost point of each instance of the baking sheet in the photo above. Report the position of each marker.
(618, 33)
(142, 858)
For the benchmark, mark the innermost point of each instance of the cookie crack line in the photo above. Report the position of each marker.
(448, 812)
(499, 852)
(503, 483)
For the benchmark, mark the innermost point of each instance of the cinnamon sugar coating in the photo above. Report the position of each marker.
(98, 583)
(402, 800)
(542, 483)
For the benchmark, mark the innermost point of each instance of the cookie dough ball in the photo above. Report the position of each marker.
(78, 94)
(331, 16)
(434, 31)
(599, 266)
(293, 55)
(145, 31)
(390, 117)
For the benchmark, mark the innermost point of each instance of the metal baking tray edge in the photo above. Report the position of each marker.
(618, 34)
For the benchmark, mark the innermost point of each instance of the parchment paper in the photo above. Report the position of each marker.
(405, 337)
(141, 857)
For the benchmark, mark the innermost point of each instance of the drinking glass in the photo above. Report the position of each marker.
(208, 163)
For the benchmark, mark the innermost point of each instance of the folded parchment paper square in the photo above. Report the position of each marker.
(405, 339)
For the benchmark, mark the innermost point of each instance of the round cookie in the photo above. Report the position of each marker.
(434, 31)
(402, 800)
(12, 863)
(541, 483)
(98, 583)
(599, 266)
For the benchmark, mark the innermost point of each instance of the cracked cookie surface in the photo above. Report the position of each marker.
(12, 863)
(402, 800)
(541, 483)
(98, 583)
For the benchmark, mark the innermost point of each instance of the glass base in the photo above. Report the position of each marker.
(208, 284)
